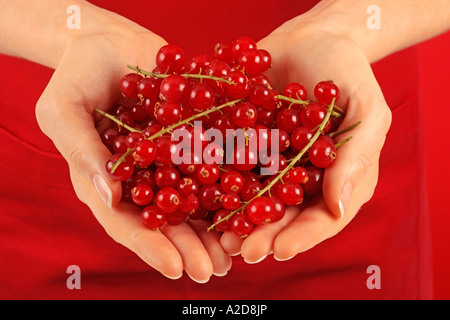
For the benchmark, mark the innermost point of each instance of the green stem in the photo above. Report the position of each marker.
(188, 120)
(285, 170)
(186, 75)
(121, 159)
(337, 112)
(120, 123)
(336, 133)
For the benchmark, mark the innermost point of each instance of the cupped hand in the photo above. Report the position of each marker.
(87, 77)
(302, 51)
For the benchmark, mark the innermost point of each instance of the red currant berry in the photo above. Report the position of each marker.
(279, 209)
(296, 91)
(300, 137)
(225, 224)
(291, 193)
(325, 91)
(242, 44)
(232, 181)
(201, 96)
(144, 153)
(199, 64)
(174, 88)
(152, 217)
(209, 197)
(250, 190)
(315, 179)
(142, 194)
(167, 200)
(251, 61)
(260, 210)
(149, 87)
(224, 51)
(296, 175)
(176, 218)
(245, 115)
(312, 115)
(245, 158)
(187, 186)
(124, 169)
(240, 87)
(241, 225)
(208, 173)
(167, 176)
(231, 201)
(322, 153)
(168, 113)
(288, 119)
(129, 84)
(170, 59)
(266, 62)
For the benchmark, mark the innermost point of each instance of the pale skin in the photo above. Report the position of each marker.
(331, 41)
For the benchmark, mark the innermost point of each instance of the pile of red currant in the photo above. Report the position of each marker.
(227, 92)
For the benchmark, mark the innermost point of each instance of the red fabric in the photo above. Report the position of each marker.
(44, 228)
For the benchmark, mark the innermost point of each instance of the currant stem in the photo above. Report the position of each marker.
(120, 123)
(285, 170)
(336, 133)
(186, 75)
(188, 120)
(337, 112)
(121, 159)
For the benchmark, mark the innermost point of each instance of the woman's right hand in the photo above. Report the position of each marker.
(87, 77)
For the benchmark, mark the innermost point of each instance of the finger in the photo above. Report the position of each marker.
(211, 240)
(196, 260)
(124, 225)
(257, 246)
(316, 223)
(71, 128)
(366, 104)
(231, 243)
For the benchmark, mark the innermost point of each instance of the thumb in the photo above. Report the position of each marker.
(356, 165)
(71, 127)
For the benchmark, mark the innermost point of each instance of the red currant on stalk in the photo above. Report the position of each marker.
(295, 90)
(240, 87)
(315, 180)
(168, 113)
(187, 186)
(167, 176)
(224, 51)
(123, 171)
(291, 193)
(325, 91)
(300, 137)
(225, 224)
(245, 115)
(199, 63)
(322, 153)
(312, 115)
(241, 225)
(167, 200)
(242, 44)
(142, 194)
(144, 153)
(152, 217)
(296, 175)
(149, 87)
(232, 181)
(128, 85)
(201, 96)
(174, 88)
(260, 210)
(209, 197)
(250, 61)
(288, 119)
(208, 173)
(231, 201)
(170, 59)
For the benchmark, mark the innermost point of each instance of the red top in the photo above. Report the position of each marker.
(44, 228)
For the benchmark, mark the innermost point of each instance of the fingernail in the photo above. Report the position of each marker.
(103, 189)
(198, 281)
(257, 261)
(285, 259)
(345, 198)
(221, 274)
(174, 278)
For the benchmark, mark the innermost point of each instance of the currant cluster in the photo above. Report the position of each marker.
(227, 91)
